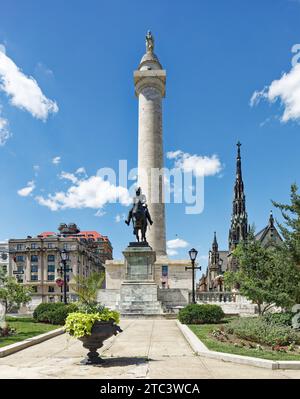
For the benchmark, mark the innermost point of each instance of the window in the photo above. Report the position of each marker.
(51, 268)
(51, 289)
(33, 245)
(19, 279)
(20, 269)
(19, 247)
(50, 245)
(51, 258)
(66, 246)
(19, 258)
(34, 268)
(34, 277)
(34, 258)
(34, 289)
(51, 277)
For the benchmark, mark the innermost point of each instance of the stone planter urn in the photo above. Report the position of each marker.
(101, 331)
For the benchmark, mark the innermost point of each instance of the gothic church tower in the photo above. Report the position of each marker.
(239, 219)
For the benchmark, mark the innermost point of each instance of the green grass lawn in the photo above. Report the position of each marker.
(202, 332)
(25, 327)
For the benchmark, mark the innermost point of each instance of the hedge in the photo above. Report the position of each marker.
(201, 314)
(54, 313)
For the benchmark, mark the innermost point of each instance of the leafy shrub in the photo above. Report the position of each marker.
(201, 314)
(92, 307)
(79, 324)
(54, 313)
(259, 330)
(283, 318)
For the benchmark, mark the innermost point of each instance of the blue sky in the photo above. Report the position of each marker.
(82, 55)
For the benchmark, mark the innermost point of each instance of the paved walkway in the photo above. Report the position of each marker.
(145, 349)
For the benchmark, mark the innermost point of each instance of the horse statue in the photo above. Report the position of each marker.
(140, 216)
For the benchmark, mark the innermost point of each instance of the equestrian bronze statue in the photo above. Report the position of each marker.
(140, 216)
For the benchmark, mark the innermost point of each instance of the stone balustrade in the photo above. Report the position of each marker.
(216, 297)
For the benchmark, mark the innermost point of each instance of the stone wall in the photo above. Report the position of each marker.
(172, 298)
(109, 298)
(114, 274)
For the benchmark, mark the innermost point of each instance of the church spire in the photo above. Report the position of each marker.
(239, 219)
(238, 162)
(271, 220)
(215, 243)
(214, 253)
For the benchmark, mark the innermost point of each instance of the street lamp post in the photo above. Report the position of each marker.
(193, 255)
(64, 255)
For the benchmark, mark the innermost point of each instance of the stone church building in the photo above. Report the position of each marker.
(220, 261)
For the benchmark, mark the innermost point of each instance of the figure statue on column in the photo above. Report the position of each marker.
(149, 42)
(139, 215)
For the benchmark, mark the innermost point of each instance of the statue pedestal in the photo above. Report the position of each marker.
(138, 292)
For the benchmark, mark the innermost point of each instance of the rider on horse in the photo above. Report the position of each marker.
(138, 213)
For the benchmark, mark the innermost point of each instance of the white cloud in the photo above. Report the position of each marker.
(81, 171)
(56, 160)
(199, 165)
(68, 176)
(5, 134)
(92, 192)
(174, 245)
(24, 91)
(172, 252)
(177, 243)
(24, 192)
(287, 90)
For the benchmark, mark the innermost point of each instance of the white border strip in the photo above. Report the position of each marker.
(18, 346)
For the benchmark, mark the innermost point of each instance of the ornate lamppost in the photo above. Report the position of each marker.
(64, 255)
(193, 255)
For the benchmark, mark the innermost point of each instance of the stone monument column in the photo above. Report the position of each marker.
(149, 81)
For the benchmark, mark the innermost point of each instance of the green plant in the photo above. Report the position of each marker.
(54, 313)
(79, 324)
(86, 287)
(282, 318)
(201, 314)
(266, 274)
(90, 307)
(258, 330)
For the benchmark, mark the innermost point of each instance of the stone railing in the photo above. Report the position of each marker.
(216, 297)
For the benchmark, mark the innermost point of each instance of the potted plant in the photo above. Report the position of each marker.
(93, 323)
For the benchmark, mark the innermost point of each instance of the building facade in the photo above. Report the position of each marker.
(36, 261)
(4, 257)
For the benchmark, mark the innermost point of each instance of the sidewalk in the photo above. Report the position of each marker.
(145, 349)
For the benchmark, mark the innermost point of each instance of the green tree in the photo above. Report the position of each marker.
(266, 276)
(290, 229)
(12, 293)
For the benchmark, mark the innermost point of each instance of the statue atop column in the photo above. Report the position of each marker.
(149, 42)
(139, 215)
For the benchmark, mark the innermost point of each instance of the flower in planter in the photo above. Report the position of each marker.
(79, 324)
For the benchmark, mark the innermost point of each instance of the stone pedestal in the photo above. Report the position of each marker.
(138, 292)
